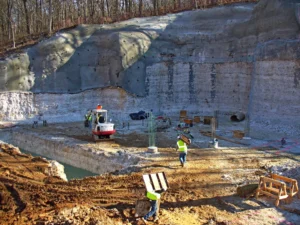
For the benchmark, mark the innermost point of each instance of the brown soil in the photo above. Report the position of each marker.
(203, 192)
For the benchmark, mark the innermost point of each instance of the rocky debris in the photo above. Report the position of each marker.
(247, 190)
(10, 149)
(82, 215)
(57, 169)
(291, 170)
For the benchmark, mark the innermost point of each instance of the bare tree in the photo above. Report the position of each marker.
(50, 17)
(26, 16)
(9, 19)
(141, 7)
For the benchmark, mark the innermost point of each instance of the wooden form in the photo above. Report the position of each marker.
(292, 185)
(183, 113)
(278, 187)
(188, 121)
(207, 120)
(156, 181)
(197, 119)
(185, 139)
(238, 134)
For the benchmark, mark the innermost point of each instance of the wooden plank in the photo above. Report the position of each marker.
(147, 182)
(163, 182)
(155, 182)
(208, 134)
(276, 176)
(270, 180)
(268, 193)
(283, 197)
(272, 189)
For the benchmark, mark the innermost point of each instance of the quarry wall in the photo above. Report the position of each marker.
(229, 58)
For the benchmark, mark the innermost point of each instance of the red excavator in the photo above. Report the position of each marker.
(101, 128)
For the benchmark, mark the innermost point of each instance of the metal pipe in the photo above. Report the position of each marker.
(237, 117)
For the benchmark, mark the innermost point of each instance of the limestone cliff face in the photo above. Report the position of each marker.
(238, 57)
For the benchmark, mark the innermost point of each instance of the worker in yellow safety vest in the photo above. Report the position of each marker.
(182, 147)
(88, 119)
(153, 197)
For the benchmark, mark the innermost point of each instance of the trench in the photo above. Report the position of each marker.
(71, 152)
(71, 172)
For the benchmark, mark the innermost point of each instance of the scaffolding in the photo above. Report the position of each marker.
(151, 130)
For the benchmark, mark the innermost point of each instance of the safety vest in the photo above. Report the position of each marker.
(88, 117)
(152, 195)
(182, 146)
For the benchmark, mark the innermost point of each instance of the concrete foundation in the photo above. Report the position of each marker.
(71, 152)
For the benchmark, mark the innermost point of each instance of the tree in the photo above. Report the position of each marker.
(26, 16)
(141, 6)
(50, 17)
(22, 18)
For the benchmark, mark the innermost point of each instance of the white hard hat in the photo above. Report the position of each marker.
(178, 137)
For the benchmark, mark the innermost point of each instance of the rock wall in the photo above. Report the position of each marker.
(239, 57)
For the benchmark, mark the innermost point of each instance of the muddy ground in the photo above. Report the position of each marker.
(203, 192)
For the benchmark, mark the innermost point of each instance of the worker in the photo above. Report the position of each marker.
(153, 197)
(283, 142)
(101, 118)
(182, 147)
(88, 119)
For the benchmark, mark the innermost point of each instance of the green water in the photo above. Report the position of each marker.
(71, 171)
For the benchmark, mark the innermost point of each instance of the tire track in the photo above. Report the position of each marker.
(15, 195)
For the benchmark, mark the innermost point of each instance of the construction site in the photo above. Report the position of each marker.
(91, 118)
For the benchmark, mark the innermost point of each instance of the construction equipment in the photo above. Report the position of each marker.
(101, 130)
(163, 122)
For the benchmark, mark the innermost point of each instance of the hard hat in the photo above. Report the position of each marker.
(178, 137)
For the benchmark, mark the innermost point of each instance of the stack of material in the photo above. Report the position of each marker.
(238, 134)
(207, 120)
(183, 115)
(197, 119)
